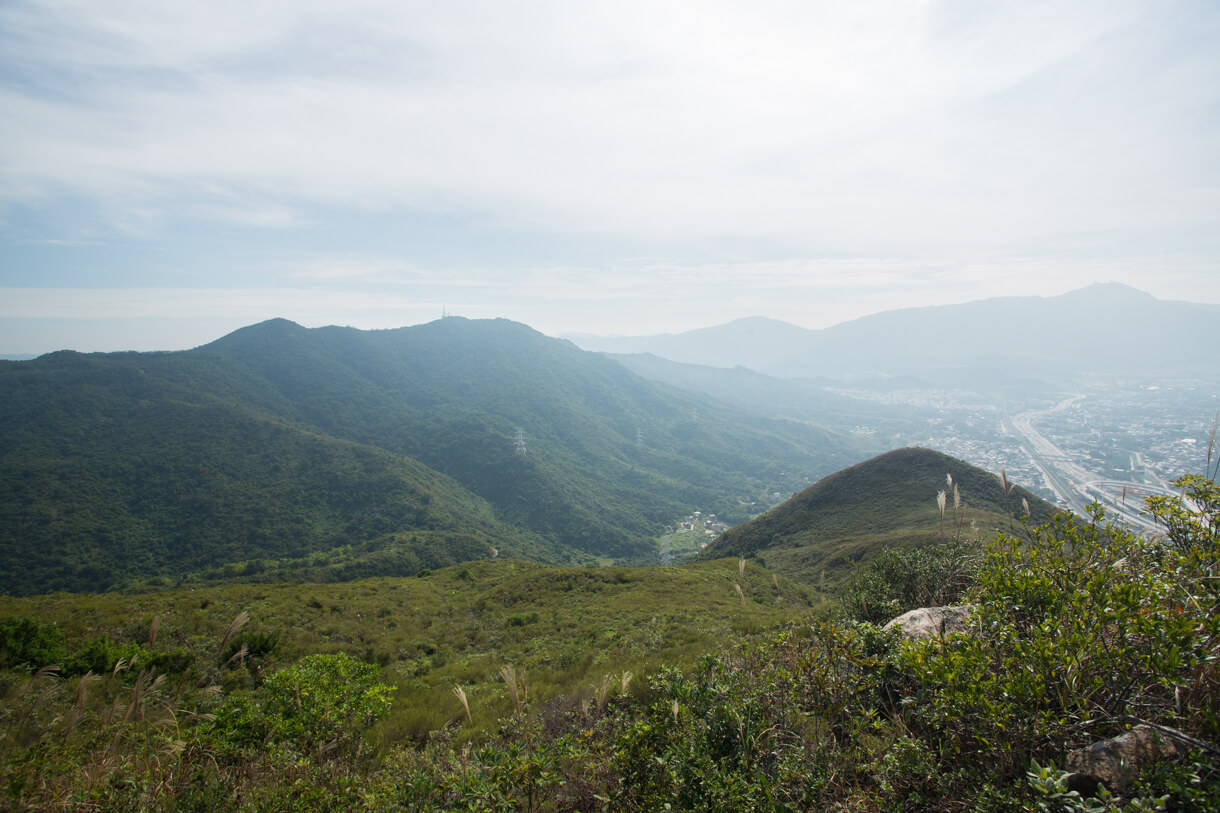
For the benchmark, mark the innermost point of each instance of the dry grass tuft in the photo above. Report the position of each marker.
(461, 695)
(1208, 471)
(515, 681)
(603, 694)
(239, 655)
(235, 626)
(109, 714)
(82, 688)
(153, 628)
(741, 593)
(144, 686)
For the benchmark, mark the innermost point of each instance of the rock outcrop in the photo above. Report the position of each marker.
(929, 622)
(1116, 762)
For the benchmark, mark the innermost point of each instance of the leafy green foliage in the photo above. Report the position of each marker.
(237, 731)
(1083, 629)
(25, 642)
(1085, 625)
(900, 579)
(709, 742)
(101, 656)
(321, 703)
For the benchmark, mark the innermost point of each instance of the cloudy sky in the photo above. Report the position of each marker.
(170, 171)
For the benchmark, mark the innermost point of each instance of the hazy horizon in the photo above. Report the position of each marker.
(573, 335)
(170, 173)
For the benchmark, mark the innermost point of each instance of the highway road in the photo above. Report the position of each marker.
(1076, 486)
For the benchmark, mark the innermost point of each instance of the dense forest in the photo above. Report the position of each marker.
(335, 453)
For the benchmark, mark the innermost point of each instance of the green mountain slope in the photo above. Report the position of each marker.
(888, 500)
(334, 451)
(608, 457)
(110, 475)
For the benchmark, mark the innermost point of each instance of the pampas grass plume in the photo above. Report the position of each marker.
(461, 695)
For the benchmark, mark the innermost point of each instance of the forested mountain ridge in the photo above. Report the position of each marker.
(821, 533)
(281, 443)
(543, 430)
(111, 474)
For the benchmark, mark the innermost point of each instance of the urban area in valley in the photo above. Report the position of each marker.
(1113, 444)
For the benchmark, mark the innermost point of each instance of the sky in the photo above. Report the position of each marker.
(170, 172)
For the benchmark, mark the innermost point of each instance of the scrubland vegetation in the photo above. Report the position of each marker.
(716, 686)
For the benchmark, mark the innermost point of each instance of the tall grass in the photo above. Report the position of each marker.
(515, 681)
(235, 627)
(461, 696)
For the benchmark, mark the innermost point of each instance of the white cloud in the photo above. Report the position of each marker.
(826, 125)
(811, 161)
(310, 306)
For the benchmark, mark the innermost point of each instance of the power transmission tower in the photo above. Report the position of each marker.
(519, 442)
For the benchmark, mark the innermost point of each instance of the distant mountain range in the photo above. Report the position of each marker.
(284, 452)
(819, 535)
(1105, 330)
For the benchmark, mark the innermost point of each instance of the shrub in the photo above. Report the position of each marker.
(101, 656)
(325, 699)
(901, 579)
(319, 707)
(1082, 630)
(26, 642)
(521, 619)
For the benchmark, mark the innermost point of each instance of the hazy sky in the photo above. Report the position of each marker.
(170, 171)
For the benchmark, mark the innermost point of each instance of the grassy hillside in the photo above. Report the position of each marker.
(564, 628)
(890, 500)
(507, 686)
